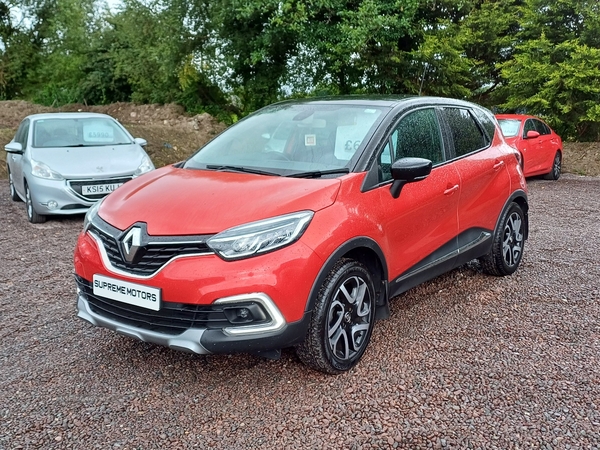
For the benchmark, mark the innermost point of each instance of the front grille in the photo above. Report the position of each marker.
(172, 318)
(157, 253)
(76, 186)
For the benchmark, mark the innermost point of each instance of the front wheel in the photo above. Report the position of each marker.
(554, 174)
(33, 216)
(507, 248)
(342, 319)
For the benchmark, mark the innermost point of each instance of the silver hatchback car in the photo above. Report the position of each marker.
(63, 163)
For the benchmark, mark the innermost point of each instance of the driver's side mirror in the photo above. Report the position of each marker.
(141, 142)
(532, 134)
(14, 147)
(408, 170)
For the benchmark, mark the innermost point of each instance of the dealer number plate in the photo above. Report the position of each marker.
(123, 291)
(95, 189)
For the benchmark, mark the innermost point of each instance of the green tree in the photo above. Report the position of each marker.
(21, 42)
(555, 71)
(276, 48)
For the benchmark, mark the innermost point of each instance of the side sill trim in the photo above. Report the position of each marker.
(483, 236)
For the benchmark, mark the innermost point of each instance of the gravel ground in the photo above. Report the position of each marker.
(466, 361)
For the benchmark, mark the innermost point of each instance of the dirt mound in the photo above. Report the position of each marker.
(13, 111)
(582, 158)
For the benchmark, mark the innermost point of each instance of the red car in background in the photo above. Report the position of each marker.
(540, 147)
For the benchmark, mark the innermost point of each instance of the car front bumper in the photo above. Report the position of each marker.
(57, 197)
(201, 340)
(45, 192)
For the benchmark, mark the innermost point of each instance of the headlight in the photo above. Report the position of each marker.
(145, 166)
(41, 170)
(91, 213)
(260, 237)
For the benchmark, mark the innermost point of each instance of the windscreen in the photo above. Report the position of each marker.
(510, 127)
(78, 132)
(292, 138)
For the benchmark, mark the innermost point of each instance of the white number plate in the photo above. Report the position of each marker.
(99, 188)
(123, 291)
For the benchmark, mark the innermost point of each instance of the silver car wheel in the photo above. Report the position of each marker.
(512, 246)
(348, 318)
(32, 215)
(28, 202)
(13, 192)
(342, 319)
(556, 167)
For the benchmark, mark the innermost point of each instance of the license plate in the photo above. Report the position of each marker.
(131, 293)
(99, 188)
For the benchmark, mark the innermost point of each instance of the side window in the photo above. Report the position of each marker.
(466, 134)
(418, 135)
(21, 132)
(529, 126)
(385, 164)
(488, 122)
(541, 127)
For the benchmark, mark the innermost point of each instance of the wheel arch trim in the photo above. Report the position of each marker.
(520, 198)
(380, 279)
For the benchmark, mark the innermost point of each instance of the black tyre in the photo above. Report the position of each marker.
(509, 240)
(33, 216)
(342, 320)
(554, 174)
(11, 185)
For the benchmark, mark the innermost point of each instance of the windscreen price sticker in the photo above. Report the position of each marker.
(123, 291)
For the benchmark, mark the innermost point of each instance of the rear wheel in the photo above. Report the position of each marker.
(11, 185)
(33, 216)
(554, 174)
(342, 320)
(507, 248)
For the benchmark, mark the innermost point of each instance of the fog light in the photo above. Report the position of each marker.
(244, 314)
(52, 204)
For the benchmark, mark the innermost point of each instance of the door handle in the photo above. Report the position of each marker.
(498, 165)
(451, 190)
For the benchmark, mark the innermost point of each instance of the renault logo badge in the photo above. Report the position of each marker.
(132, 242)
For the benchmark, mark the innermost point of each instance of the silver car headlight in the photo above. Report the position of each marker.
(260, 237)
(41, 170)
(91, 214)
(145, 166)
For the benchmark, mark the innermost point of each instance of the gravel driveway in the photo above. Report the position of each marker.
(466, 361)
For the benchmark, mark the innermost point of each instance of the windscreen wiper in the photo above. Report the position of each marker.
(241, 169)
(318, 173)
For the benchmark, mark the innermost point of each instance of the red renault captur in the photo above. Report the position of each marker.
(296, 226)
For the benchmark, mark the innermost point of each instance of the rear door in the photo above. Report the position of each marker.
(546, 149)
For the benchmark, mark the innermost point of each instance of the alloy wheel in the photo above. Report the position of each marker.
(556, 167)
(512, 246)
(28, 202)
(348, 318)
